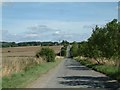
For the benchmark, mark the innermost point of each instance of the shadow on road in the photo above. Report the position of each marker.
(86, 81)
(73, 65)
(78, 68)
(90, 82)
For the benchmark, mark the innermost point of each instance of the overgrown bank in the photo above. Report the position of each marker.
(23, 71)
(110, 70)
(21, 79)
(103, 47)
(104, 42)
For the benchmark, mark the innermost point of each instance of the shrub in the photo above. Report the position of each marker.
(47, 54)
(74, 50)
(63, 51)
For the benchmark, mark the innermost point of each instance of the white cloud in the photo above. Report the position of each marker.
(40, 29)
(44, 30)
(57, 32)
(31, 35)
(6, 36)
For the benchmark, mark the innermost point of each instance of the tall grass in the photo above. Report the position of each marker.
(20, 66)
(12, 65)
(22, 79)
(108, 69)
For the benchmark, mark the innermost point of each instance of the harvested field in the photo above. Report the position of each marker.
(26, 51)
(15, 59)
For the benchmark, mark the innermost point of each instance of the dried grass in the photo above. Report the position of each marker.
(11, 65)
(16, 59)
(101, 60)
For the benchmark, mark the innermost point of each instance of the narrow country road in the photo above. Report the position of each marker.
(71, 74)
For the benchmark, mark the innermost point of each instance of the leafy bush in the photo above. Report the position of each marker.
(74, 50)
(63, 51)
(47, 54)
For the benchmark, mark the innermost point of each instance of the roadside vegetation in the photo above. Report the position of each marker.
(102, 49)
(12, 65)
(23, 78)
(47, 54)
(63, 51)
(109, 70)
(63, 48)
(20, 71)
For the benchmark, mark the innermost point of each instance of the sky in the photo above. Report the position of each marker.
(60, 0)
(54, 21)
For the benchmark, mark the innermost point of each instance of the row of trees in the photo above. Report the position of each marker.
(104, 42)
(14, 44)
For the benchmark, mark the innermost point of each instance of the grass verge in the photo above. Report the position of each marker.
(0, 83)
(21, 79)
(109, 70)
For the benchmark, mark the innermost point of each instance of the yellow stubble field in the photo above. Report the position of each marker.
(15, 59)
(26, 51)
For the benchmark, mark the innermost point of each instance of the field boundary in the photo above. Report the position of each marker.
(22, 79)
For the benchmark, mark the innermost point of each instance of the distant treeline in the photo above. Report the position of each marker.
(33, 43)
